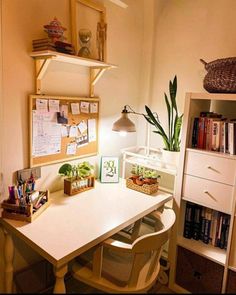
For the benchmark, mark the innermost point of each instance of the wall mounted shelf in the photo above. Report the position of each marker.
(44, 58)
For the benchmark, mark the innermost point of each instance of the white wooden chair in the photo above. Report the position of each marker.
(117, 267)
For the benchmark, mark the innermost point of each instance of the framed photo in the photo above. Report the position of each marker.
(89, 29)
(109, 169)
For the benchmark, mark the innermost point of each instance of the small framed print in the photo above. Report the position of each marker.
(109, 169)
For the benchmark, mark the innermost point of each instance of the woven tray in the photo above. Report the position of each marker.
(221, 75)
(148, 189)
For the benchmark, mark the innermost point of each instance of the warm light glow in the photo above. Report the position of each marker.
(123, 133)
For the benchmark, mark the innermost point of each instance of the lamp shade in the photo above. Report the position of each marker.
(124, 124)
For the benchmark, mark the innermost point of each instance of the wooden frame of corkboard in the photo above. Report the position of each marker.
(90, 10)
(90, 149)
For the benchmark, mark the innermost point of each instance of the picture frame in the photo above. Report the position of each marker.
(109, 169)
(88, 15)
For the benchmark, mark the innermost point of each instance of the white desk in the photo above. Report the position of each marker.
(73, 224)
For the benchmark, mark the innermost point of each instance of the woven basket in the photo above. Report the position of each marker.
(221, 76)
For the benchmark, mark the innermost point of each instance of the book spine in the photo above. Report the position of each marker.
(195, 132)
(197, 222)
(188, 223)
(219, 230)
(200, 140)
(216, 136)
(222, 137)
(226, 133)
(209, 135)
(231, 141)
(203, 221)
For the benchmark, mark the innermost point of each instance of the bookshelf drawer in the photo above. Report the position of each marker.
(198, 274)
(210, 167)
(211, 194)
(231, 282)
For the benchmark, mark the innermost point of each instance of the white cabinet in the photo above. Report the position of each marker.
(205, 178)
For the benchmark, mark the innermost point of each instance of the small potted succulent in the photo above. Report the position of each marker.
(150, 176)
(136, 172)
(78, 177)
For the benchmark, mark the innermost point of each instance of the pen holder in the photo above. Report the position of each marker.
(26, 213)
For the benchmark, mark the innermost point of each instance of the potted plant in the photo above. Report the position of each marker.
(79, 177)
(136, 172)
(171, 137)
(150, 176)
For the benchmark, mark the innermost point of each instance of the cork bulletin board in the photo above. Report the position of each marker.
(62, 128)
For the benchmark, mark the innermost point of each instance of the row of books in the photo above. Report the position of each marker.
(207, 225)
(48, 44)
(213, 133)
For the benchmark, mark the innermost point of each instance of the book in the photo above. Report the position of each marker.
(203, 221)
(195, 132)
(188, 222)
(209, 134)
(41, 41)
(231, 137)
(226, 139)
(216, 135)
(218, 231)
(201, 128)
(44, 48)
(213, 227)
(207, 227)
(197, 222)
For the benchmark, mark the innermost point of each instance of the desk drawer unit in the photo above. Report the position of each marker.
(211, 167)
(208, 193)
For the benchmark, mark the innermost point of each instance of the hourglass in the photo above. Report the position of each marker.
(84, 36)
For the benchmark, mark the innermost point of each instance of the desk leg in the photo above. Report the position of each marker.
(59, 274)
(8, 256)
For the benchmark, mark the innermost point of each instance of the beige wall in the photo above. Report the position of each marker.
(22, 21)
(185, 31)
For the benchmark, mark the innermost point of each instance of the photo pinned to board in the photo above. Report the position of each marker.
(62, 116)
(84, 107)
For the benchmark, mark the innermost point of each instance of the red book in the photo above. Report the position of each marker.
(201, 129)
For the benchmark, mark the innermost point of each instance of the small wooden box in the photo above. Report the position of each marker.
(13, 211)
(73, 186)
(145, 188)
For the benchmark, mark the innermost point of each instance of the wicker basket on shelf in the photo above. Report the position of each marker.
(221, 75)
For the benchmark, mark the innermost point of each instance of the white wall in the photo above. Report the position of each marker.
(185, 31)
(22, 21)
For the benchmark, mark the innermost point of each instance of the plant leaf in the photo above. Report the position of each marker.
(65, 169)
(173, 91)
(154, 120)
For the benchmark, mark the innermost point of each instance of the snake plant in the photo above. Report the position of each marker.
(171, 137)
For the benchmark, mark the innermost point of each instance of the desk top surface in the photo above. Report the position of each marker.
(73, 224)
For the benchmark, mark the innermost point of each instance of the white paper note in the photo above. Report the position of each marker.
(71, 148)
(46, 136)
(93, 107)
(54, 105)
(75, 108)
(84, 107)
(82, 126)
(73, 131)
(64, 131)
(41, 105)
(91, 130)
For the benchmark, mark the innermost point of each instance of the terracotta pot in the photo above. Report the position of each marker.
(134, 178)
(139, 181)
(148, 181)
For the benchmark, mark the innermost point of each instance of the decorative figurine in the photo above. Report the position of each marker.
(84, 36)
(101, 39)
(55, 30)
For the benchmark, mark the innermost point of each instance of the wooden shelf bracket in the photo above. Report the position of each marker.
(95, 75)
(41, 66)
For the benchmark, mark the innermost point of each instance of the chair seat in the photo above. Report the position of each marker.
(115, 267)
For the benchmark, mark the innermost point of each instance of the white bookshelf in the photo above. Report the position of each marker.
(197, 170)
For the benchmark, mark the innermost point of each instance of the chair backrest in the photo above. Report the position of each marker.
(147, 250)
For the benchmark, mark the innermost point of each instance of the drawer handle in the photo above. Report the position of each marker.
(209, 194)
(213, 169)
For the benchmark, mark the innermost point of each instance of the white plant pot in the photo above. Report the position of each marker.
(170, 159)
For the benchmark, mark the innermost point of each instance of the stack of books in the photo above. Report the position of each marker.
(207, 225)
(212, 132)
(47, 44)
(43, 44)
